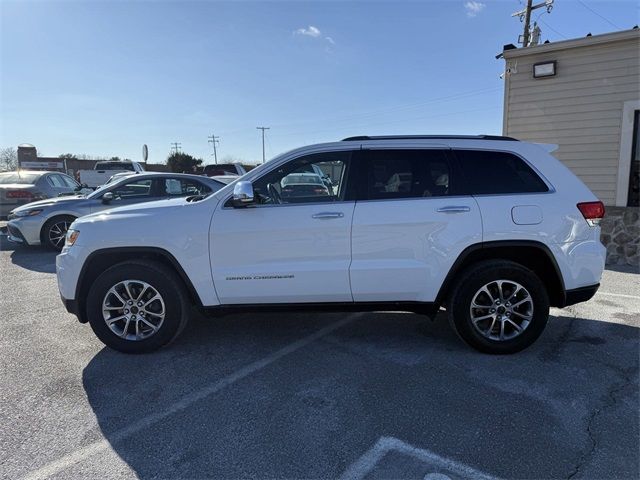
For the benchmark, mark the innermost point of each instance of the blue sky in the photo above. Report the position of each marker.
(104, 77)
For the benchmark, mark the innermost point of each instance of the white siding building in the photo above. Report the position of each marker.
(584, 95)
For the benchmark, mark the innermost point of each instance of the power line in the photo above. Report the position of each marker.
(596, 13)
(263, 129)
(552, 29)
(379, 112)
(175, 146)
(214, 140)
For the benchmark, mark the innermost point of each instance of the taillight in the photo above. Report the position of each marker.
(19, 194)
(592, 212)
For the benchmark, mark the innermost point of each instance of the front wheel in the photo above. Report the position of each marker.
(137, 306)
(54, 232)
(498, 307)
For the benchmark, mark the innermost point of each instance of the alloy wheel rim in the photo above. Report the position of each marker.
(58, 232)
(501, 310)
(133, 310)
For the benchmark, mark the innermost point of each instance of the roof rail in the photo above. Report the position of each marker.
(428, 137)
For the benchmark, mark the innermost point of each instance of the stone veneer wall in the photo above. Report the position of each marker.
(621, 235)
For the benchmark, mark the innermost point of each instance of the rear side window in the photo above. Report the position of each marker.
(407, 174)
(487, 173)
(56, 181)
(175, 187)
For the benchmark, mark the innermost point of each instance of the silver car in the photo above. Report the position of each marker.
(20, 187)
(46, 222)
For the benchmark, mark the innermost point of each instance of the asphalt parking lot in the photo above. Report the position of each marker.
(375, 395)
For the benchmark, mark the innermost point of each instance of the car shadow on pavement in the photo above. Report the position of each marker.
(622, 268)
(36, 259)
(317, 409)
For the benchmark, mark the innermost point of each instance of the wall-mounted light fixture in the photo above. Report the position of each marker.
(545, 69)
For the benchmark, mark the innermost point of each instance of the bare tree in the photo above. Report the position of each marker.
(8, 159)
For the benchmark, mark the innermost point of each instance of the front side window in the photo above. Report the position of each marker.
(407, 174)
(488, 173)
(133, 189)
(313, 178)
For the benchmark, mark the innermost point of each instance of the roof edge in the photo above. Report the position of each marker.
(574, 43)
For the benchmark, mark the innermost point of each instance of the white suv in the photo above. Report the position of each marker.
(492, 229)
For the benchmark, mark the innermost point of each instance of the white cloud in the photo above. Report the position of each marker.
(314, 32)
(310, 32)
(473, 8)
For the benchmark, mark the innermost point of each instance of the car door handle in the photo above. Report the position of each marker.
(328, 215)
(454, 209)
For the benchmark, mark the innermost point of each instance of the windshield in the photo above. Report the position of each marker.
(301, 178)
(114, 166)
(100, 190)
(220, 169)
(15, 177)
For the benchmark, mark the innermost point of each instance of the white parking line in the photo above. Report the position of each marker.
(621, 295)
(367, 462)
(188, 400)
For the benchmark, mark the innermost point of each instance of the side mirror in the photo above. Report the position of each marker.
(242, 194)
(107, 198)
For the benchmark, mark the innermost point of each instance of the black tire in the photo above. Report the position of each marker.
(61, 223)
(481, 274)
(161, 278)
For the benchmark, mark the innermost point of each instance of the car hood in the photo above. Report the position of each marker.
(49, 202)
(146, 208)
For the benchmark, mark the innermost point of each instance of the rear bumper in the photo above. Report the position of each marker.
(578, 295)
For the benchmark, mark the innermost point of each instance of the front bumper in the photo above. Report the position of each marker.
(25, 230)
(70, 305)
(14, 234)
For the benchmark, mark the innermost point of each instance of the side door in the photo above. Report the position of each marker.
(409, 225)
(294, 244)
(135, 190)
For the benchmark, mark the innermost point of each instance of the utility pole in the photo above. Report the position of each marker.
(213, 139)
(263, 129)
(525, 15)
(175, 146)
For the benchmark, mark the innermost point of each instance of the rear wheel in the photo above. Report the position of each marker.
(137, 307)
(54, 231)
(498, 307)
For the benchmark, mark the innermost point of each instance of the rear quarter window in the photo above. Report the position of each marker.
(490, 173)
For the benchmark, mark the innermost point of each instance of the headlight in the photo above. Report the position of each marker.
(26, 213)
(72, 236)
